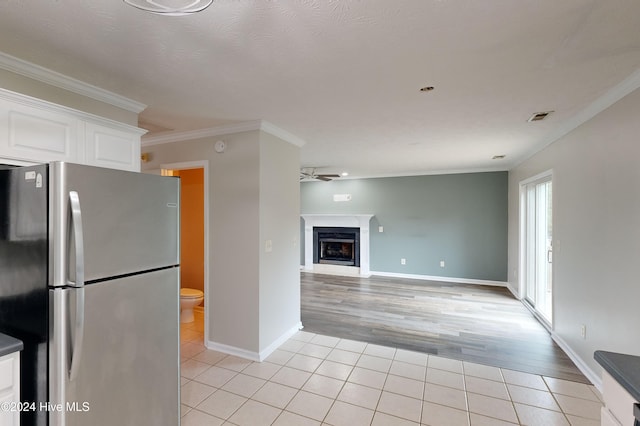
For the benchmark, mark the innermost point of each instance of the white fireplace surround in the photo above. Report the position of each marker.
(360, 221)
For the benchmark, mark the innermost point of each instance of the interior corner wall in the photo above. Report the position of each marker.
(596, 231)
(37, 89)
(279, 218)
(234, 226)
(458, 218)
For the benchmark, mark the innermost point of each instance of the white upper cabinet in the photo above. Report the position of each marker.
(38, 131)
(113, 148)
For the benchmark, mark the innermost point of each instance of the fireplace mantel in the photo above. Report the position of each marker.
(337, 220)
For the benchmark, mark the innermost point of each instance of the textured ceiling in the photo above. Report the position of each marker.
(344, 75)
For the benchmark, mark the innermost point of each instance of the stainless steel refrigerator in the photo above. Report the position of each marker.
(89, 280)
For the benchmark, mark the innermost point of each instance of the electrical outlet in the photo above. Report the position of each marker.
(442, 263)
(403, 261)
(583, 331)
(380, 229)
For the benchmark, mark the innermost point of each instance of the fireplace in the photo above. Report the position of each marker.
(336, 246)
(359, 222)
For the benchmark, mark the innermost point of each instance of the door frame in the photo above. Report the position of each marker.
(202, 164)
(522, 267)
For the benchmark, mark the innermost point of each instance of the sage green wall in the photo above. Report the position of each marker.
(458, 218)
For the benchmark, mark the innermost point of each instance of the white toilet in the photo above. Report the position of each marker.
(189, 299)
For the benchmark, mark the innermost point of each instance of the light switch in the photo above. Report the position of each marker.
(268, 246)
(380, 229)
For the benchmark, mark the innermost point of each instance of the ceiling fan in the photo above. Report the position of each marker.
(310, 173)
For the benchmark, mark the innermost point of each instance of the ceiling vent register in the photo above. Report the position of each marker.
(170, 7)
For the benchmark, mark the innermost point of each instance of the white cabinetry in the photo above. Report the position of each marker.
(10, 389)
(110, 147)
(618, 403)
(36, 131)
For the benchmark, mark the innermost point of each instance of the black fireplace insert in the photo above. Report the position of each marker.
(336, 246)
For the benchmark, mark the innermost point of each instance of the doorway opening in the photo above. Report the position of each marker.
(536, 230)
(194, 227)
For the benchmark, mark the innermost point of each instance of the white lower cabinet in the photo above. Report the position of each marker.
(10, 389)
(618, 403)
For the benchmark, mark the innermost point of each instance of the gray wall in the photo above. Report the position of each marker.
(458, 218)
(596, 231)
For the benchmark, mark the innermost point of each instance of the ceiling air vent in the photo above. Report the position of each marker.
(539, 116)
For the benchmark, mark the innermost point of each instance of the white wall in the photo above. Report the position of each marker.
(596, 230)
(254, 194)
(279, 223)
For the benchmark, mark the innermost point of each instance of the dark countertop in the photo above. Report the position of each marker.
(9, 344)
(625, 369)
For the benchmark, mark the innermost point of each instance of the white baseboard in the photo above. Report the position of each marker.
(252, 355)
(578, 361)
(443, 279)
(264, 354)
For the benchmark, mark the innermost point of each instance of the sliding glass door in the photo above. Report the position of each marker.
(536, 199)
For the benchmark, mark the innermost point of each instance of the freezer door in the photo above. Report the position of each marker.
(130, 222)
(128, 367)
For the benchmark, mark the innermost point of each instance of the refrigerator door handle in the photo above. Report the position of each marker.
(78, 335)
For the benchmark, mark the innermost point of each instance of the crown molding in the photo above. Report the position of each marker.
(53, 78)
(613, 95)
(226, 129)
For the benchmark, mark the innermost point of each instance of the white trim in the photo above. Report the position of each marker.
(30, 101)
(443, 279)
(593, 377)
(252, 355)
(53, 78)
(203, 164)
(232, 350)
(226, 129)
(360, 221)
(264, 354)
(613, 95)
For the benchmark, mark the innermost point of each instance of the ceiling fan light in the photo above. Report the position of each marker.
(170, 7)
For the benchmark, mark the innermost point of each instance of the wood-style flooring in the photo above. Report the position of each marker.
(476, 323)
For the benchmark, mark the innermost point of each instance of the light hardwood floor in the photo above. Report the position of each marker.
(482, 324)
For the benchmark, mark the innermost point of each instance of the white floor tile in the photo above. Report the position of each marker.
(343, 414)
(443, 395)
(193, 393)
(445, 378)
(351, 345)
(323, 385)
(579, 407)
(254, 413)
(482, 371)
(374, 363)
(404, 386)
(380, 351)
(440, 415)
(198, 418)
(400, 406)
(334, 369)
(524, 379)
(382, 419)
(343, 357)
(486, 387)
(535, 416)
(411, 357)
(447, 364)
(534, 397)
(244, 385)
(491, 407)
(291, 377)
(405, 369)
(359, 395)
(370, 378)
(304, 362)
(317, 351)
(310, 405)
(275, 394)
(216, 376)
(291, 419)
(262, 370)
(221, 404)
(565, 387)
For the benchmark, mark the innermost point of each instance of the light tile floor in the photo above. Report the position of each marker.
(321, 380)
